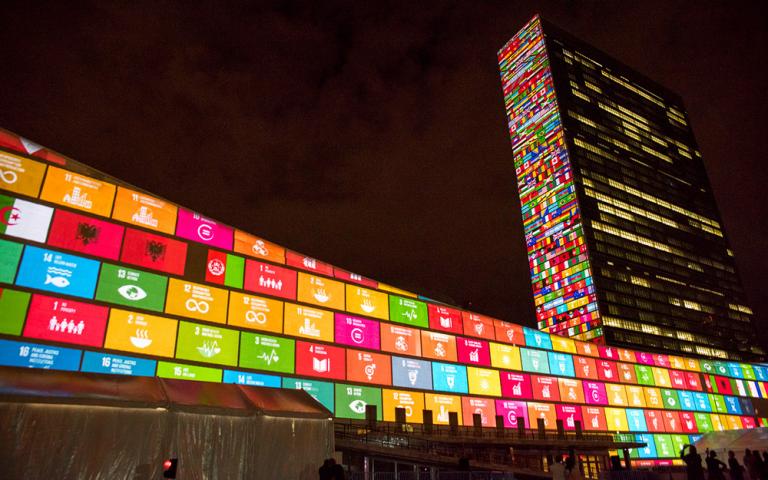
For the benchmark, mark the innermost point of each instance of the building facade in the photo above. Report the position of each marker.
(625, 242)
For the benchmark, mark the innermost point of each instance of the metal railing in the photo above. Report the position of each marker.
(447, 432)
(440, 475)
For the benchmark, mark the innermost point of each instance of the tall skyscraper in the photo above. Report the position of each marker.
(625, 242)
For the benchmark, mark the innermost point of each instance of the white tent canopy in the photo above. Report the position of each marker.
(736, 440)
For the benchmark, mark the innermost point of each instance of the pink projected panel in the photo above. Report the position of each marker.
(356, 331)
(510, 410)
(595, 394)
(196, 227)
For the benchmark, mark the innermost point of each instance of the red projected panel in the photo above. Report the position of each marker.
(545, 388)
(65, 321)
(473, 352)
(367, 367)
(585, 367)
(724, 386)
(516, 385)
(654, 420)
(569, 414)
(694, 381)
(678, 379)
(85, 234)
(594, 418)
(672, 422)
(320, 360)
(270, 279)
(688, 422)
(478, 325)
(154, 251)
(307, 263)
(354, 278)
(509, 333)
(445, 319)
(481, 406)
(606, 370)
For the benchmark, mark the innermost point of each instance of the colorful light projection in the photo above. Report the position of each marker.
(560, 272)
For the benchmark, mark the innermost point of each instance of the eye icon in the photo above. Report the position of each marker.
(132, 292)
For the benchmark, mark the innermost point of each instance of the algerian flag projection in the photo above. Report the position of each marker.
(22, 219)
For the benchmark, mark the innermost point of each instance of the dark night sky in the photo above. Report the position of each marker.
(368, 134)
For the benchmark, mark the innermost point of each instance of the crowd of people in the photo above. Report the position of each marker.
(754, 467)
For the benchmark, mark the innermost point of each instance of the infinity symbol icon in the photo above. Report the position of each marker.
(197, 306)
(9, 176)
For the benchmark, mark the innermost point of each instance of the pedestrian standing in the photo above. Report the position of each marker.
(715, 467)
(737, 471)
(749, 465)
(692, 463)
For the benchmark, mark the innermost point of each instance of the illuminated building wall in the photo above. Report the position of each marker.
(557, 252)
(96, 276)
(617, 208)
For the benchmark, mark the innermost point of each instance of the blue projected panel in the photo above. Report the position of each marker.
(118, 365)
(32, 355)
(58, 272)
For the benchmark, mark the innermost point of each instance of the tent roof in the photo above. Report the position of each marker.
(47, 386)
(736, 440)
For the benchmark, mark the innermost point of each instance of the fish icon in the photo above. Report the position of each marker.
(57, 281)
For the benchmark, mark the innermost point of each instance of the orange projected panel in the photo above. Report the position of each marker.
(412, 402)
(78, 191)
(617, 395)
(483, 381)
(545, 411)
(367, 302)
(400, 340)
(321, 291)
(563, 344)
(256, 313)
(734, 423)
(368, 367)
(505, 356)
(308, 322)
(691, 364)
(21, 175)
(442, 405)
(588, 349)
(509, 332)
(627, 373)
(438, 346)
(653, 397)
(636, 396)
(594, 418)
(571, 390)
(196, 301)
(144, 210)
(253, 246)
(616, 419)
(676, 363)
(141, 333)
(481, 406)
